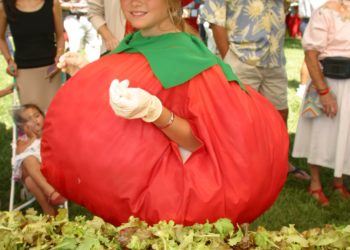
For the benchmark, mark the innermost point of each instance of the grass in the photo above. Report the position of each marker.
(294, 205)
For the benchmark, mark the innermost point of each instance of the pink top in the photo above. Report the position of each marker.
(328, 32)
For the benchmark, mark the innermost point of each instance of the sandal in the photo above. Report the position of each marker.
(341, 190)
(59, 200)
(299, 173)
(319, 196)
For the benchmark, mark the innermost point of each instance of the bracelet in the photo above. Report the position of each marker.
(323, 91)
(170, 121)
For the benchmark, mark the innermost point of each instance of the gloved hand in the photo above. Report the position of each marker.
(132, 103)
(71, 62)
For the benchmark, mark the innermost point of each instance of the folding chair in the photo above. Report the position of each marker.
(15, 102)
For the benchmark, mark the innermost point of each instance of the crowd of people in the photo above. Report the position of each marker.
(249, 38)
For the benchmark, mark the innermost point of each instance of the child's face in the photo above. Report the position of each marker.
(34, 121)
(149, 16)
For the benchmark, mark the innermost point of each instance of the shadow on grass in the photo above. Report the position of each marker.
(292, 43)
(293, 84)
(5, 163)
(295, 206)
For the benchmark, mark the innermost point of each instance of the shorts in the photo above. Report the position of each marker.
(270, 82)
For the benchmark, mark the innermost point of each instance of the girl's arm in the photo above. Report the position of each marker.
(177, 130)
(134, 103)
(57, 14)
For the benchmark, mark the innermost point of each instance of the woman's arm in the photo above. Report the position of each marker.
(96, 15)
(327, 100)
(57, 14)
(109, 39)
(11, 65)
(313, 65)
(177, 130)
(6, 91)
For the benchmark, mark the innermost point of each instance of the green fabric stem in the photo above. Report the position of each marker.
(174, 58)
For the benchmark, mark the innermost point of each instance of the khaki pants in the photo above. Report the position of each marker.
(34, 88)
(270, 82)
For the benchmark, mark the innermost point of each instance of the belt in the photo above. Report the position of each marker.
(336, 67)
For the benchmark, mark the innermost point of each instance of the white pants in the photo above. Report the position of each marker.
(82, 36)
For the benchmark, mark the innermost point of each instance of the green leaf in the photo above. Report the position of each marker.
(223, 226)
(236, 238)
(67, 244)
(89, 243)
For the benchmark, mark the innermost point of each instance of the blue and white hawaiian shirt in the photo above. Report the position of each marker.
(255, 28)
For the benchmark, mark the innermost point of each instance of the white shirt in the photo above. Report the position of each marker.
(306, 7)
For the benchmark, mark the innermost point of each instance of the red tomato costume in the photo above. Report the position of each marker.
(117, 167)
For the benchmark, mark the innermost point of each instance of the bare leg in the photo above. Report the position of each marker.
(339, 187)
(31, 167)
(284, 114)
(316, 187)
(296, 172)
(39, 196)
(304, 74)
(304, 78)
(315, 177)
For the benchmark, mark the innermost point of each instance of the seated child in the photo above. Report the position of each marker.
(30, 119)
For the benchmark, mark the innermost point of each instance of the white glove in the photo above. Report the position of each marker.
(71, 62)
(132, 103)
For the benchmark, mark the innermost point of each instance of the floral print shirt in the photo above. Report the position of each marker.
(255, 28)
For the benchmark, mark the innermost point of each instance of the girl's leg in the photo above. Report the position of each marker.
(315, 188)
(39, 196)
(31, 167)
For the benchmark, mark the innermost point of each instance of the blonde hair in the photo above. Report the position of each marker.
(175, 14)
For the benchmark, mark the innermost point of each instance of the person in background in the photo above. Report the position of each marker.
(30, 119)
(109, 21)
(82, 37)
(250, 37)
(37, 30)
(325, 140)
(306, 8)
(293, 21)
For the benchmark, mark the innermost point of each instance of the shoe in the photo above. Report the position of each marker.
(58, 200)
(299, 173)
(319, 196)
(341, 190)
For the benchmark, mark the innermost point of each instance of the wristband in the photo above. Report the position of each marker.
(323, 91)
(170, 121)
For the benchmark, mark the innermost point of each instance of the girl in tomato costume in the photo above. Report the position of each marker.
(175, 137)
